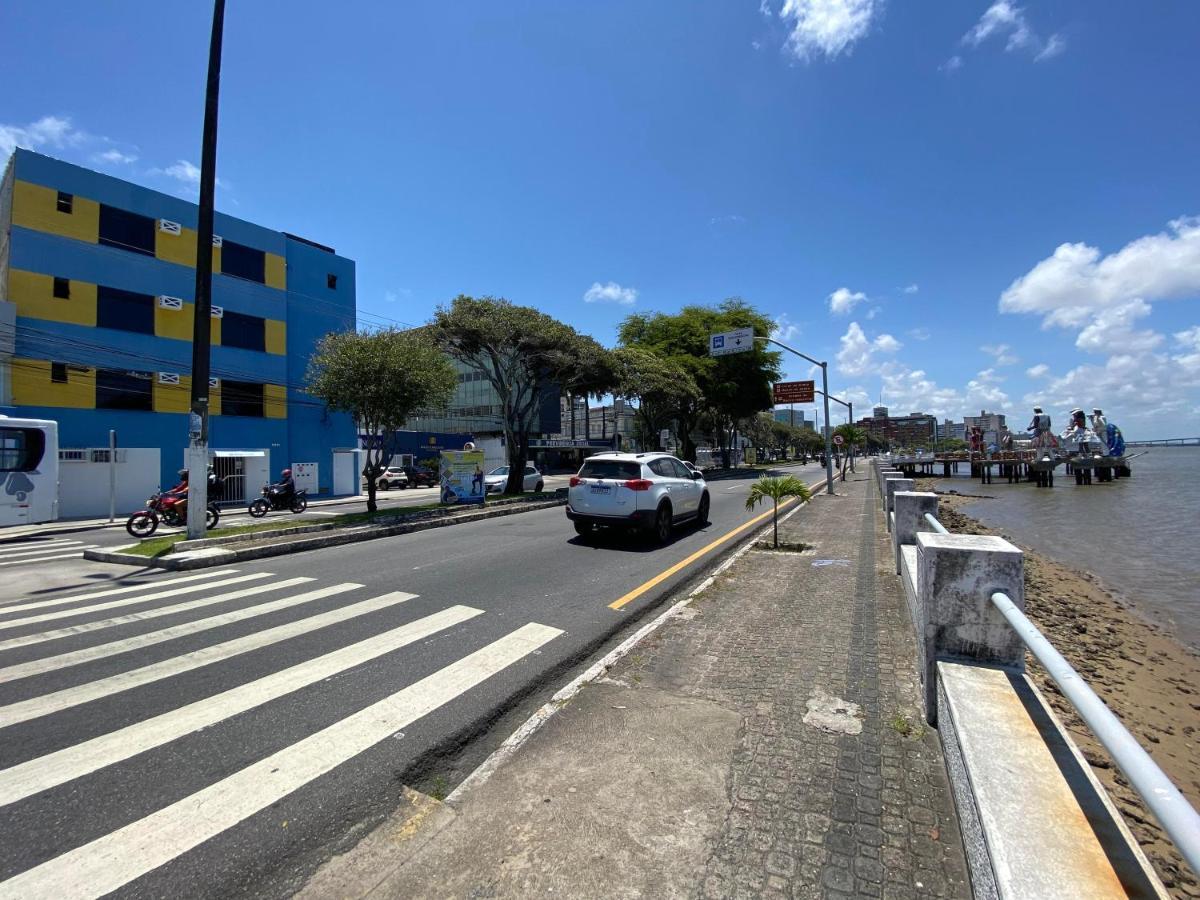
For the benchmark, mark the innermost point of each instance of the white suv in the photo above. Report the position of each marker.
(648, 492)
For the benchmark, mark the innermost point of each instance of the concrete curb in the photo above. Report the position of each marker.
(220, 556)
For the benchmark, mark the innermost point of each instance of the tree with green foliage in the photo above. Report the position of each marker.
(380, 378)
(657, 387)
(852, 436)
(520, 351)
(730, 387)
(775, 489)
(590, 371)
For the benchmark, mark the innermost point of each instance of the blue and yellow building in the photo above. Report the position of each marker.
(97, 278)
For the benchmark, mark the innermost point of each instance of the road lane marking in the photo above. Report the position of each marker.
(61, 766)
(105, 864)
(127, 601)
(38, 559)
(112, 592)
(137, 642)
(684, 563)
(127, 618)
(34, 549)
(44, 705)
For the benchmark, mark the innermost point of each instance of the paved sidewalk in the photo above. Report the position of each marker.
(767, 741)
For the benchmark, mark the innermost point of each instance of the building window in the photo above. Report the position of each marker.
(331, 281)
(241, 398)
(124, 310)
(241, 261)
(66, 202)
(62, 288)
(21, 449)
(124, 390)
(58, 373)
(126, 230)
(241, 330)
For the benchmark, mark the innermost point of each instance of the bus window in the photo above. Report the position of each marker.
(21, 449)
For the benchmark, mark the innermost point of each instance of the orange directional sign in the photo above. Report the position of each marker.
(795, 391)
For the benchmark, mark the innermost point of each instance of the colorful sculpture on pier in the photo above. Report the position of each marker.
(1043, 437)
(1079, 437)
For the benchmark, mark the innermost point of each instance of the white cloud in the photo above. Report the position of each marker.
(912, 289)
(873, 312)
(47, 132)
(1038, 371)
(784, 329)
(1000, 353)
(843, 300)
(727, 220)
(1074, 283)
(1111, 331)
(953, 64)
(826, 27)
(919, 334)
(1003, 18)
(115, 157)
(610, 293)
(184, 171)
(858, 353)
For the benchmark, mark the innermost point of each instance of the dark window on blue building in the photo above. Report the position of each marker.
(241, 330)
(241, 398)
(124, 390)
(62, 288)
(66, 202)
(124, 310)
(126, 230)
(241, 261)
(331, 281)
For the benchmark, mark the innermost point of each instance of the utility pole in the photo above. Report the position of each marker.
(202, 308)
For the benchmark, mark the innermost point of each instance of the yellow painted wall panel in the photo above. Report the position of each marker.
(177, 248)
(31, 386)
(36, 207)
(276, 337)
(275, 273)
(216, 260)
(275, 401)
(33, 294)
(174, 323)
(173, 398)
(215, 337)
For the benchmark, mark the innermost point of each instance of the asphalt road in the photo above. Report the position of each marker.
(222, 733)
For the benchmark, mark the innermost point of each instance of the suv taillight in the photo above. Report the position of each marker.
(576, 481)
(639, 484)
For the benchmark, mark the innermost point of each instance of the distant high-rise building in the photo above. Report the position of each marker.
(879, 412)
(790, 417)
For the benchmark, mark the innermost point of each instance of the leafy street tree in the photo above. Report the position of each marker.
(852, 436)
(660, 387)
(520, 351)
(380, 378)
(776, 489)
(731, 387)
(588, 372)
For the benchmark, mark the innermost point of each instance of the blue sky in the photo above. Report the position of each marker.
(960, 204)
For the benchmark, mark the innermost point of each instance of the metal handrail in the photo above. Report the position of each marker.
(1169, 806)
(937, 526)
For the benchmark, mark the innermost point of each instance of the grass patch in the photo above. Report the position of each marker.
(438, 790)
(904, 726)
(784, 546)
(160, 545)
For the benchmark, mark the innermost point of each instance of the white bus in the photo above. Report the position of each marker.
(28, 471)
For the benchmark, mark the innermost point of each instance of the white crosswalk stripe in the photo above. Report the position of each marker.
(107, 863)
(154, 584)
(177, 665)
(178, 826)
(127, 601)
(113, 648)
(39, 559)
(141, 616)
(38, 547)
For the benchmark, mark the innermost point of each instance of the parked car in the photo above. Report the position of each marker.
(392, 477)
(495, 480)
(421, 477)
(644, 492)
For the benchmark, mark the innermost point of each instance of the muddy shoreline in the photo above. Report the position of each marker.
(1150, 681)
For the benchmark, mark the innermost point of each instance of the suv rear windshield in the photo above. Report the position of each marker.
(610, 468)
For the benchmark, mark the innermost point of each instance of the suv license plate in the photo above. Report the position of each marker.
(601, 488)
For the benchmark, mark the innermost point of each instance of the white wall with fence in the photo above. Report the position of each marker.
(84, 480)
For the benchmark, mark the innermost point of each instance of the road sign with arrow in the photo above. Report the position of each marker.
(739, 341)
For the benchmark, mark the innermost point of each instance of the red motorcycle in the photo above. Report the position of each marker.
(163, 508)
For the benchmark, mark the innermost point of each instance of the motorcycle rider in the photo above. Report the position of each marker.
(180, 493)
(284, 489)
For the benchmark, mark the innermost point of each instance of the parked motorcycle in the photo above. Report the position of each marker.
(164, 508)
(273, 500)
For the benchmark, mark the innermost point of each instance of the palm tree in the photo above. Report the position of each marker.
(852, 436)
(777, 488)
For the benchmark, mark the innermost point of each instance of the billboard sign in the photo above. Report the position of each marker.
(461, 476)
(795, 392)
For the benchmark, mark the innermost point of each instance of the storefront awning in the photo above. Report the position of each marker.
(225, 453)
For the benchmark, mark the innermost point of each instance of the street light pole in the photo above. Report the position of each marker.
(202, 308)
(825, 393)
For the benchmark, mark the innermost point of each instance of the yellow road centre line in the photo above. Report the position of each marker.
(684, 563)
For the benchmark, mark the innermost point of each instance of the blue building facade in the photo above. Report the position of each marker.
(98, 275)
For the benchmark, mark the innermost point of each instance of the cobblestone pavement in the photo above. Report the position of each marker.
(836, 789)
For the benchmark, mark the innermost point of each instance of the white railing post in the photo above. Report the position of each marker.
(910, 510)
(890, 486)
